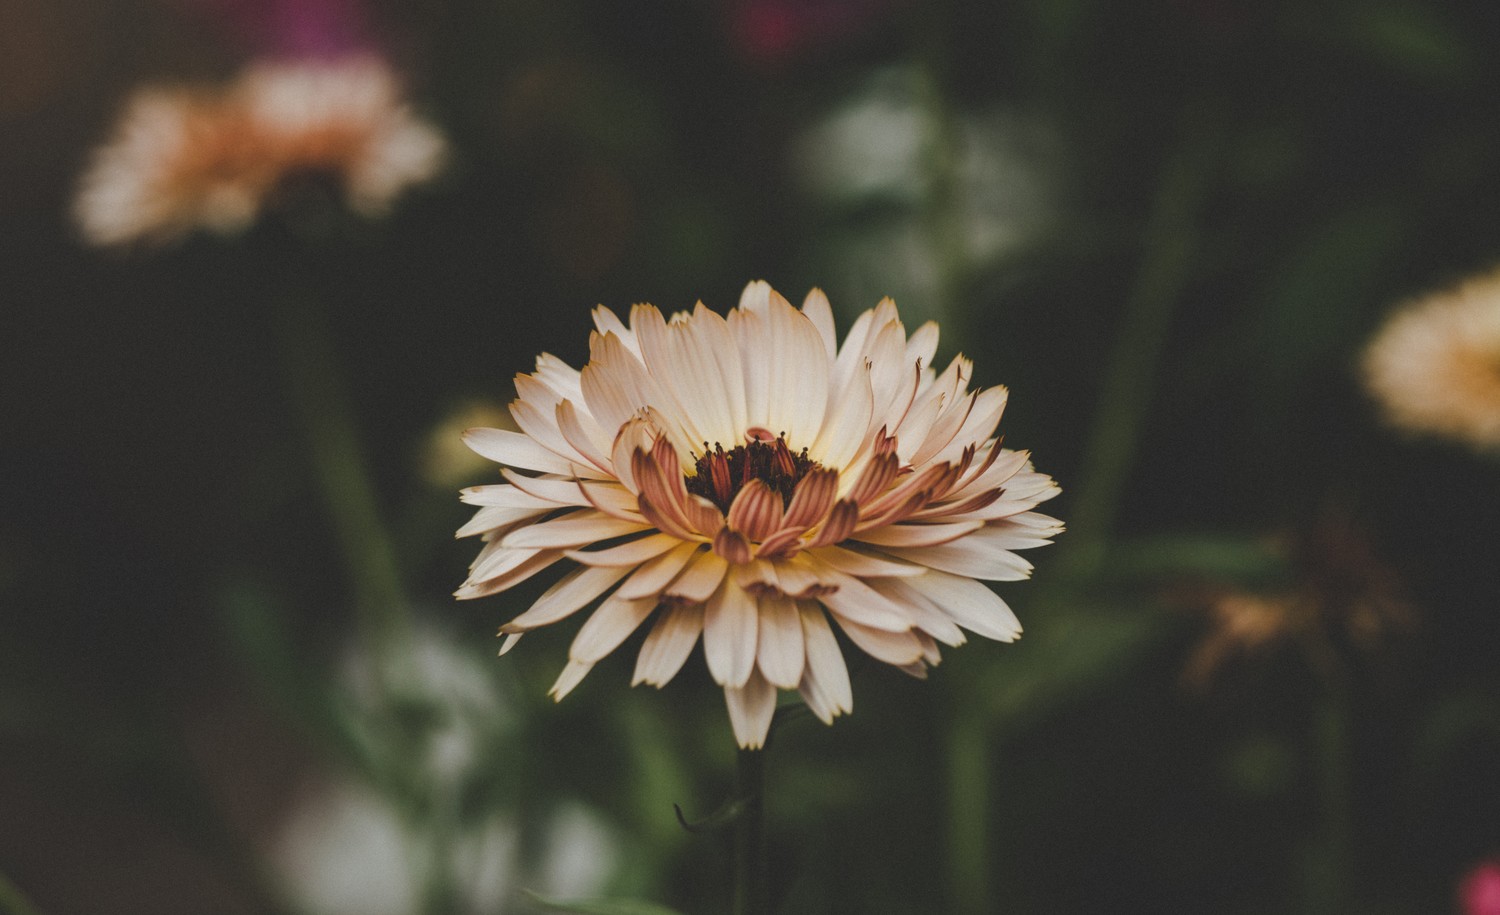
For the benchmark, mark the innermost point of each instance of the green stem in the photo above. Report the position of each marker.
(749, 835)
(1332, 853)
(1130, 376)
(349, 497)
(968, 804)
(13, 901)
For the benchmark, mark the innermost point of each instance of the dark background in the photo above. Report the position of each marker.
(1168, 228)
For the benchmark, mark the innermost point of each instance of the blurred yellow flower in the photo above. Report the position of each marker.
(199, 158)
(1435, 366)
(746, 479)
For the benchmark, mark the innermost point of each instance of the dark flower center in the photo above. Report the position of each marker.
(720, 474)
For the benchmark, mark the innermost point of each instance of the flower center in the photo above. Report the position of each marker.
(720, 475)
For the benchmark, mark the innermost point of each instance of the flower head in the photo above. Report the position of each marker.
(184, 159)
(1479, 893)
(1435, 367)
(746, 479)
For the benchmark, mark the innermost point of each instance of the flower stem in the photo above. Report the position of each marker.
(328, 419)
(749, 835)
(1125, 398)
(968, 805)
(1331, 854)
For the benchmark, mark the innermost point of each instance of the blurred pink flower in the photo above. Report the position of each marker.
(1479, 893)
(291, 28)
(770, 32)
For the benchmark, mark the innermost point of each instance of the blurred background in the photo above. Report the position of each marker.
(1259, 673)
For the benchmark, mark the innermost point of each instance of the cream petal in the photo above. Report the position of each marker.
(968, 603)
(530, 563)
(756, 296)
(697, 366)
(855, 600)
(572, 530)
(668, 645)
(555, 492)
(752, 335)
(973, 556)
(651, 578)
(917, 534)
(510, 642)
(612, 499)
(944, 431)
(630, 554)
(570, 677)
(845, 425)
(609, 323)
(617, 386)
(515, 450)
(865, 565)
(797, 374)
(751, 708)
(492, 516)
(562, 379)
(922, 344)
(780, 651)
(889, 374)
(502, 495)
(825, 680)
(608, 626)
(896, 648)
(851, 356)
(820, 313)
(925, 615)
(915, 425)
(542, 428)
(495, 560)
(730, 625)
(571, 593)
(1021, 532)
(699, 580)
(984, 417)
(581, 432)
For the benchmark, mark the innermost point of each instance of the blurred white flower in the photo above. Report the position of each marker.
(203, 158)
(1435, 365)
(348, 849)
(918, 193)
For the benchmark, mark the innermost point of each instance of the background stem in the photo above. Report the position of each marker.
(968, 805)
(1168, 244)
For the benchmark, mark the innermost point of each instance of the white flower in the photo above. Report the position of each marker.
(1435, 366)
(185, 159)
(745, 479)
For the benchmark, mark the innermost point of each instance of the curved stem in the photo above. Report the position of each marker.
(749, 835)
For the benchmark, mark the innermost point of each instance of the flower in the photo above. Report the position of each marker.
(745, 479)
(199, 158)
(1340, 600)
(1435, 366)
(1479, 893)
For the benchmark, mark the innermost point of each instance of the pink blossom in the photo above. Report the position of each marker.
(1479, 893)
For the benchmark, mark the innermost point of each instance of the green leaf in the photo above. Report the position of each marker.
(602, 906)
